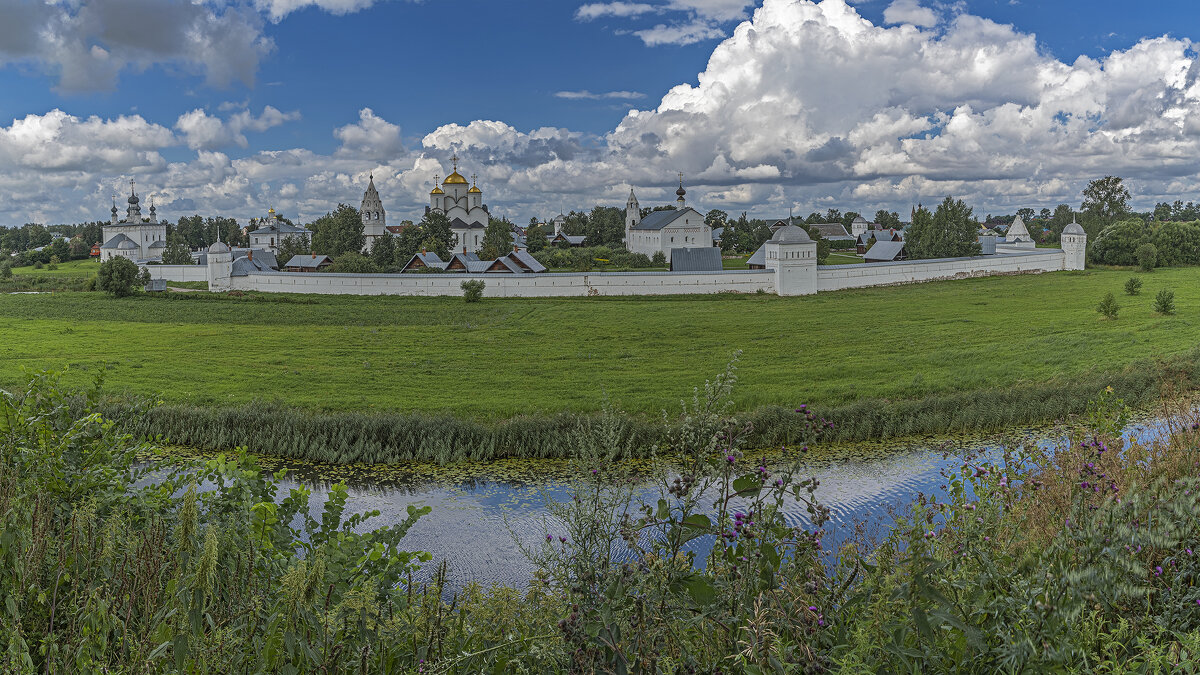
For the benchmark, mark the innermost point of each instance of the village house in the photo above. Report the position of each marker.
(308, 262)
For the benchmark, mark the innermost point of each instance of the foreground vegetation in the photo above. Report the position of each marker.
(1079, 561)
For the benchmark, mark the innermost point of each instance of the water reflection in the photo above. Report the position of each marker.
(479, 509)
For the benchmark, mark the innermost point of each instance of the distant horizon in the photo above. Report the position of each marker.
(233, 108)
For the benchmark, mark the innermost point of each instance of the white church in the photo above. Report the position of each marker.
(661, 231)
(135, 236)
(463, 206)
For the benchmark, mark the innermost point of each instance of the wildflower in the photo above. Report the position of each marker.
(812, 608)
(1157, 571)
(549, 538)
(730, 458)
(562, 540)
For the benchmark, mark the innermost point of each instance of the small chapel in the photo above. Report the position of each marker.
(664, 230)
(135, 236)
(462, 204)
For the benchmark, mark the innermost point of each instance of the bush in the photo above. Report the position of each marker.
(1133, 286)
(5, 270)
(1147, 256)
(1164, 302)
(473, 290)
(1108, 306)
(117, 276)
(658, 259)
(353, 263)
(37, 265)
(54, 262)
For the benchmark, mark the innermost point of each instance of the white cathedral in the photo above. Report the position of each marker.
(661, 231)
(135, 236)
(463, 206)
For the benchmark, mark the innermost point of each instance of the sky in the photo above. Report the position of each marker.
(232, 107)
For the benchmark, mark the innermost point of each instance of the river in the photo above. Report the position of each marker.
(480, 510)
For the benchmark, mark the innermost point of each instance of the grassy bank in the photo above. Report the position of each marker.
(1079, 561)
(502, 358)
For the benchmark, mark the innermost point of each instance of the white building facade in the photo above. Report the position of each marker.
(135, 236)
(273, 230)
(462, 204)
(661, 231)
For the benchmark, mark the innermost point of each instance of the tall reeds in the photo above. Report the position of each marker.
(373, 437)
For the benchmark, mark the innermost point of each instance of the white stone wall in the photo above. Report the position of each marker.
(838, 277)
(179, 272)
(512, 285)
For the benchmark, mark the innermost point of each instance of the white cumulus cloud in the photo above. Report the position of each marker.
(910, 11)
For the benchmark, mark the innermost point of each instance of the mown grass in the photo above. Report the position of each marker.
(71, 268)
(505, 357)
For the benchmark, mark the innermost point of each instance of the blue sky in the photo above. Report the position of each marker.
(233, 107)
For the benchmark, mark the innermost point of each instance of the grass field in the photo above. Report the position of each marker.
(71, 268)
(502, 357)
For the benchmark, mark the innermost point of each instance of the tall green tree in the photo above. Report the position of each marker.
(436, 236)
(535, 238)
(1106, 199)
(338, 232)
(716, 218)
(176, 252)
(117, 276)
(497, 239)
(1117, 244)
(383, 251)
(290, 247)
(605, 226)
(949, 232)
(888, 219)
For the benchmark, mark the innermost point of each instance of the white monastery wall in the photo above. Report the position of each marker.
(178, 272)
(511, 286)
(838, 277)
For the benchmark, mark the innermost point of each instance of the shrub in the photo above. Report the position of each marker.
(658, 259)
(1108, 306)
(37, 265)
(1133, 286)
(54, 262)
(1147, 256)
(1164, 301)
(117, 276)
(6, 270)
(473, 290)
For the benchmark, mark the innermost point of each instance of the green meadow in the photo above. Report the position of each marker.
(504, 357)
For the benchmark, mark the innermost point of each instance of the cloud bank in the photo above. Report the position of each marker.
(804, 103)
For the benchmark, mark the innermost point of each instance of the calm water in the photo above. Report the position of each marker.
(480, 510)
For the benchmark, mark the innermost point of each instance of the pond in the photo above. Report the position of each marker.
(480, 510)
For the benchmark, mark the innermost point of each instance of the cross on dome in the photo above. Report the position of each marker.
(454, 158)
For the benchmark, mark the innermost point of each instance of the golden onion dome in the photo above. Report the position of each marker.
(436, 191)
(455, 179)
(475, 190)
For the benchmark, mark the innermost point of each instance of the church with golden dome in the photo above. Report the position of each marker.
(462, 204)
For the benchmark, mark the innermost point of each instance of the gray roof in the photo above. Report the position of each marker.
(246, 265)
(717, 232)
(127, 245)
(791, 234)
(508, 263)
(707, 259)
(657, 220)
(159, 244)
(429, 258)
(829, 230)
(572, 239)
(280, 227)
(218, 247)
(759, 257)
(460, 224)
(307, 261)
(1073, 228)
(884, 235)
(885, 251)
(525, 258)
(865, 237)
(117, 240)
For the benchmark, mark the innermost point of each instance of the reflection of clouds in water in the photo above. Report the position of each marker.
(477, 509)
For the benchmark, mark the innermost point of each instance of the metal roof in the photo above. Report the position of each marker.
(884, 251)
(246, 265)
(707, 259)
(526, 259)
(281, 228)
(306, 261)
(657, 220)
(759, 257)
(116, 241)
(828, 230)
